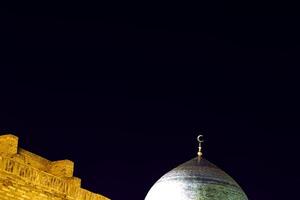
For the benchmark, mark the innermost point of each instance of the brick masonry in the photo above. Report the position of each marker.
(24, 176)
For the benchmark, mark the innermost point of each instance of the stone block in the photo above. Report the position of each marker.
(75, 181)
(61, 168)
(33, 159)
(9, 144)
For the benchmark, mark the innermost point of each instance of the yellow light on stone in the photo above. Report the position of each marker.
(27, 176)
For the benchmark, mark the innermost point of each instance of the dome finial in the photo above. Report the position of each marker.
(200, 147)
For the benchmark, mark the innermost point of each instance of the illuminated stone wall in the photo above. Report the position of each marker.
(26, 176)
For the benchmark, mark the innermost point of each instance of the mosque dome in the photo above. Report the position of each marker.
(196, 179)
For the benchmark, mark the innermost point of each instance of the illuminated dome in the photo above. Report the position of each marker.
(197, 179)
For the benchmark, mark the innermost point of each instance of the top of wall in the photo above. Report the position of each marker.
(51, 175)
(9, 146)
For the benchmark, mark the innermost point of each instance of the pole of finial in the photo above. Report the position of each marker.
(200, 147)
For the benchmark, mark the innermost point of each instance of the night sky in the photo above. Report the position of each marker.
(123, 89)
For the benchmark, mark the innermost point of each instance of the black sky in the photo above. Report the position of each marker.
(119, 88)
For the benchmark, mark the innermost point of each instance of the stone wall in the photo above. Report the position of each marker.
(24, 175)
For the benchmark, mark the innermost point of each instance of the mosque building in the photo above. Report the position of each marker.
(196, 179)
(27, 176)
